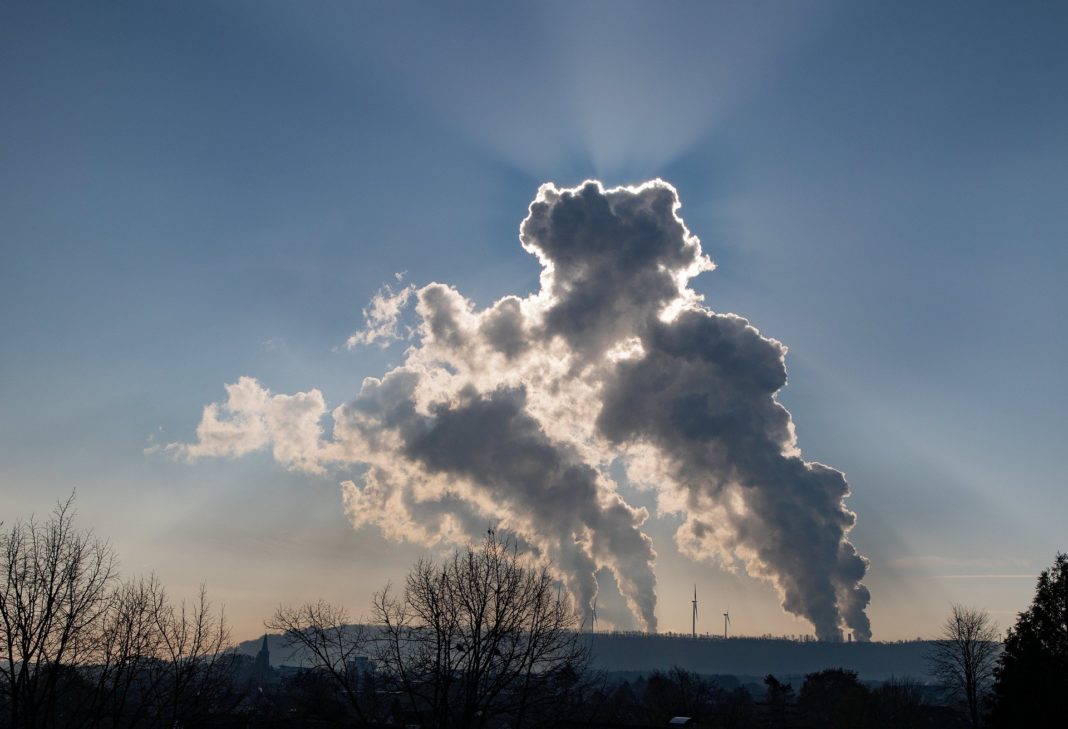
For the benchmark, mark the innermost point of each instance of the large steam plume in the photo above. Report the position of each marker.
(511, 414)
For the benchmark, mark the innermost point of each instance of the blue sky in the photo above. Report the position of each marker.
(191, 192)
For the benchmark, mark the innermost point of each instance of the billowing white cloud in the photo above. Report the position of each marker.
(510, 415)
(381, 319)
(251, 418)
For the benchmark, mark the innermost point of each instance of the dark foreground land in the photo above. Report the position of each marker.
(644, 653)
(638, 680)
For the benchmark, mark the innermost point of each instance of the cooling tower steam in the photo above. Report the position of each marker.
(511, 414)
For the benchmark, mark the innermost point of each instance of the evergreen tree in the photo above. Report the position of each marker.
(1031, 680)
(833, 698)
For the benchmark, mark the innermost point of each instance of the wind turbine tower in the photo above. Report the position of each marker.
(693, 630)
(726, 622)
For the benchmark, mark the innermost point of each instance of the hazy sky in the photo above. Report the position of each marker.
(192, 192)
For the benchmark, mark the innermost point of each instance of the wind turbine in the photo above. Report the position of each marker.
(693, 630)
(726, 621)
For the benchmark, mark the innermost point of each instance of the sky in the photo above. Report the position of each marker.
(192, 193)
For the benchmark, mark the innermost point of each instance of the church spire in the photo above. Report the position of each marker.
(263, 658)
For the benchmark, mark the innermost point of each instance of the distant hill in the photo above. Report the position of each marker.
(637, 652)
(759, 656)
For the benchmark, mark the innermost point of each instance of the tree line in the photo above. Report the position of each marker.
(1021, 681)
(481, 639)
(80, 647)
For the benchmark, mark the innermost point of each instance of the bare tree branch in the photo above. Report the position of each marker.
(964, 658)
(326, 640)
(479, 636)
(53, 595)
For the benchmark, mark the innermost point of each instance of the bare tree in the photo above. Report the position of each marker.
(53, 595)
(155, 663)
(124, 670)
(80, 649)
(963, 658)
(328, 642)
(482, 635)
(197, 659)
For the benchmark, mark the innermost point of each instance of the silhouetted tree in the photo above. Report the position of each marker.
(80, 649)
(778, 696)
(197, 661)
(897, 704)
(480, 636)
(154, 663)
(328, 642)
(833, 698)
(963, 658)
(679, 692)
(734, 709)
(1031, 686)
(54, 583)
(314, 695)
(622, 703)
(126, 671)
